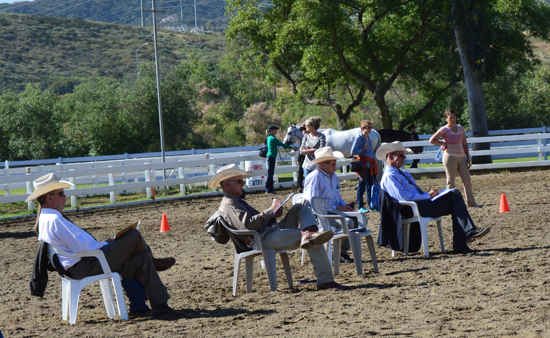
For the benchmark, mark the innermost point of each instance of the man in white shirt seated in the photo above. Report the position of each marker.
(402, 186)
(128, 255)
(324, 183)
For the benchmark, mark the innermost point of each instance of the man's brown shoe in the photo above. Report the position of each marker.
(164, 310)
(332, 285)
(310, 238)
(162, 264)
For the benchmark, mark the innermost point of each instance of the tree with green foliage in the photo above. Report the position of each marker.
(343, 49)
(30, 125)
(494, 37)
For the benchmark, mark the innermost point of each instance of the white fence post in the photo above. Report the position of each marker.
(72, 180)
(182, 185)
(295, 173)
(544, 143)
(112, 194)
(148, 179)
(7, 173)
(30, 204)
(95, 176)
(124, 179)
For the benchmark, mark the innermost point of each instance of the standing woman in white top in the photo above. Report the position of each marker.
(456, 156)
(312, 141)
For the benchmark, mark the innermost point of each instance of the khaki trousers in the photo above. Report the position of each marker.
(131, 257)
(454, 164)
(287, 235)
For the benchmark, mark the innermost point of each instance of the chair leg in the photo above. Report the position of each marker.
(74, 290)
(271, 268)
(328, 249)
(370, 244)
(406, 237)
(336, 249)
(249, 273)
(424, 233)
(65, 297)
(119, 295)
(441, 236)
(286, 266)
(107, 297)
(236, 268)
(355, 243)
(303, 256)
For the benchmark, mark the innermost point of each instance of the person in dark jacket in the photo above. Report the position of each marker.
(416, 150)
(272, 144)
(401, 186)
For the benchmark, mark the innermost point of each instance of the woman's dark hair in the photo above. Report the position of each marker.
(448, 112)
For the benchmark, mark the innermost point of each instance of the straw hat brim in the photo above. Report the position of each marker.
(386, 148)
(226, 174)
(46, 189)
(336, 156)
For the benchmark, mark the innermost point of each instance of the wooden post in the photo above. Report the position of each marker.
(30, 204)
(73, 198)
(112, 194)
(7, 173)
(148, 179)
(182, 185)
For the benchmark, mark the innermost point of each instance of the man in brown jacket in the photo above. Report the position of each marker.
(283, 235)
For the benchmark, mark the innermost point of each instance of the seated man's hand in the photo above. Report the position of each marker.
(344, 208)
(278, 213)
(275, 203)
(433, 193)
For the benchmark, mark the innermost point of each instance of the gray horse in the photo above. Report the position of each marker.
(337, 140)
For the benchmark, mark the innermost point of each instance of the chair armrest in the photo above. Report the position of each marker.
(96, 253)
(336, 217)
(361, 218)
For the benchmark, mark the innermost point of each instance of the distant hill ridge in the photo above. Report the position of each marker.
(60, 53)
(210, 13)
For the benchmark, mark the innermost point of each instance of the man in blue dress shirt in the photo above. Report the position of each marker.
(324, 183)
(402, 186)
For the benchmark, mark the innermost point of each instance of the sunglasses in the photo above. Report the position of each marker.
(238, 181)
(333, 162)
(59, 193)
(400, 155)
(367, 127)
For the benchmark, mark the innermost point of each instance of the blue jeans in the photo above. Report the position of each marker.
(368, 181)
(135, 291)
(270, 173)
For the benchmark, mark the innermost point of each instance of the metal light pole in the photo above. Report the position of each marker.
(181, 13)
(157, 69)
(142, 13)
(137, 63)
(196, 28)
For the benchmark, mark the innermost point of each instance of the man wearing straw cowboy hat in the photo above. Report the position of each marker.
(282, 235)
(324, 183)
(128, 255)
(401, 186)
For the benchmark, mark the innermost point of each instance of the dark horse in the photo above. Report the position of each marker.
(388, 135)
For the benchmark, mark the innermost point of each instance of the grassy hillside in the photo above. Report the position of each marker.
(210, 14)
(59, 53)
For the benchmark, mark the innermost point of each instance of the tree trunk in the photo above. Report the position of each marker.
(383, 109)
(341, 117)
(476, 102)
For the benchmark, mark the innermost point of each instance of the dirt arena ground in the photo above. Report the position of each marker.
(501, 290)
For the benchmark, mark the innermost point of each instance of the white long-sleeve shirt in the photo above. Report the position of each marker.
(54, 229)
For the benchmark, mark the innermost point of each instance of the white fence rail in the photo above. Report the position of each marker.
(140, 174)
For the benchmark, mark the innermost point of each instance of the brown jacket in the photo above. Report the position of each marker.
(237, 215)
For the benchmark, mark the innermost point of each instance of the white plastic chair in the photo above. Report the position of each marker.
(423, 229)
(70, 288)
(322, 209)
(248, 256)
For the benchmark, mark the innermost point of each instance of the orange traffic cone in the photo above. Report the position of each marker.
(503, 204)
(164, 226)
